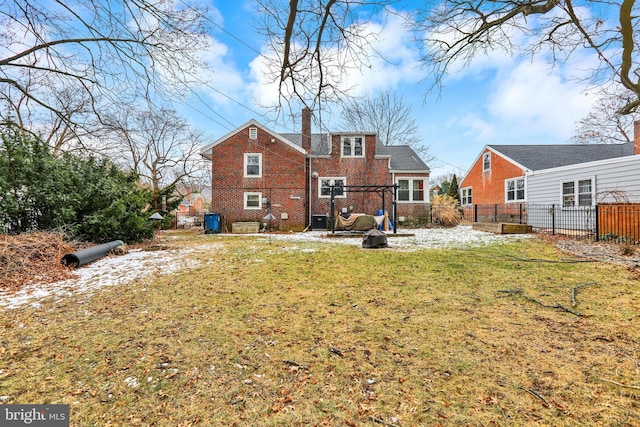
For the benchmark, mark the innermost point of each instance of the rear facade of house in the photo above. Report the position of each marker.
(256, 172)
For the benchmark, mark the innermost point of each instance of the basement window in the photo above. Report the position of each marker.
(252, 201)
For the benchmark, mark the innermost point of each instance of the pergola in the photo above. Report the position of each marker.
(380, 189)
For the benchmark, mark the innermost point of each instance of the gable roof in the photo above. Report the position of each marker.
(319, 142)
(206, 151)
(402, 158)
(544, 156)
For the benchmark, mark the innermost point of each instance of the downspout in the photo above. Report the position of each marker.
(309, 178)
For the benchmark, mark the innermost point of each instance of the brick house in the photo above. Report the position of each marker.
(256, 171)
(192, 204)
(499, 175)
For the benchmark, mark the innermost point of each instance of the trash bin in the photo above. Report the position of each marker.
(211, 223)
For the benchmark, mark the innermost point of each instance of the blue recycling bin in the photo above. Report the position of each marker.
(211, 223)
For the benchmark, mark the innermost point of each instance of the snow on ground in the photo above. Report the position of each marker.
(138, 264)
(108, 271)
(424, 238)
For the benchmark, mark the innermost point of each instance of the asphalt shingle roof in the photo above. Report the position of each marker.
(402, 157)
(538, 157)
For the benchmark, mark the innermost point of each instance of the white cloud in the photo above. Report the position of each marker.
(221, 72)
(391, 61)
(393, 58)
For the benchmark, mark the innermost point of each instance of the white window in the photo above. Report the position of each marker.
(467, 198)
(253, 201)
(252, 165)
(411, 190)
(325, 184)
(486, 162)
(353, 146)
(514, 190)
(577, 193)
(253, 133)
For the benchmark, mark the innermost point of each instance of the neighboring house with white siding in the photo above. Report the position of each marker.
(534, 174)
(574, 189)
(605, 181)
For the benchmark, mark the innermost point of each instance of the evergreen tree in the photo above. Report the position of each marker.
(90, 199)
(454, 191)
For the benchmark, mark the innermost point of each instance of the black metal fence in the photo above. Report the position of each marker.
(604, 222)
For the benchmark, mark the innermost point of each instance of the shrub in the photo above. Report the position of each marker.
(89, 198)
(445, 211)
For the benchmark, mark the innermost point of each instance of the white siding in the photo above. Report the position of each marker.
(613, 180)
(613, 177)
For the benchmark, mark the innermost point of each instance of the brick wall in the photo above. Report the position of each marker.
(285, 178)
(488, 186)
(636, 137)
(358, 171)
(282, 181)
(414, 210)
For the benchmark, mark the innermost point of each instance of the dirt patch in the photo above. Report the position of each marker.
(626, 255)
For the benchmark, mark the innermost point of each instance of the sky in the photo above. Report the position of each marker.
(497, 99)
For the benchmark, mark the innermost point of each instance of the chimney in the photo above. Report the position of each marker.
(306, 130)
(636, 137)
(189, 195)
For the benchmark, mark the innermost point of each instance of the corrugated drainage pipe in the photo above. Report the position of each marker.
(85, 256)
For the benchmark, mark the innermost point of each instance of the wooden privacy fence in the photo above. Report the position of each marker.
(618, 221)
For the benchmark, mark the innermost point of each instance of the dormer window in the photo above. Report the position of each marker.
(253, 133)
(353, 146)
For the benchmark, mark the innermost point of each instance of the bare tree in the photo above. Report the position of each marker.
(158, 145)
(459, 30)
(103, 52)
(603, 125)
(313, 43)
(387, 115)
(455, 32)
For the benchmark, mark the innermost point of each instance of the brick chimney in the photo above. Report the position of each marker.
(636, 137)
(306, 130)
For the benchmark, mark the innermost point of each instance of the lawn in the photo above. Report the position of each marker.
(286, 333)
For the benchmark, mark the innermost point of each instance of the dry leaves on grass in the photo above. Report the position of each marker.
(32, 256)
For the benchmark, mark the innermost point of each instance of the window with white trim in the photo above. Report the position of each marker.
(577, 193)
(252, 201)
(486, 161)
(467, 198)
(252, 165)
(324, 186)
(353, 146)
(514, 190)
(253, 133)
(411, 190)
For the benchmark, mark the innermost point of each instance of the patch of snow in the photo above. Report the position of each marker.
(138, 264)
(462, 236)
(108, 271)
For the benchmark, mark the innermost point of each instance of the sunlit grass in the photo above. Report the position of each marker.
(322, 334)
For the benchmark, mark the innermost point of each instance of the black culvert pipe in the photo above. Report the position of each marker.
(85, 256)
